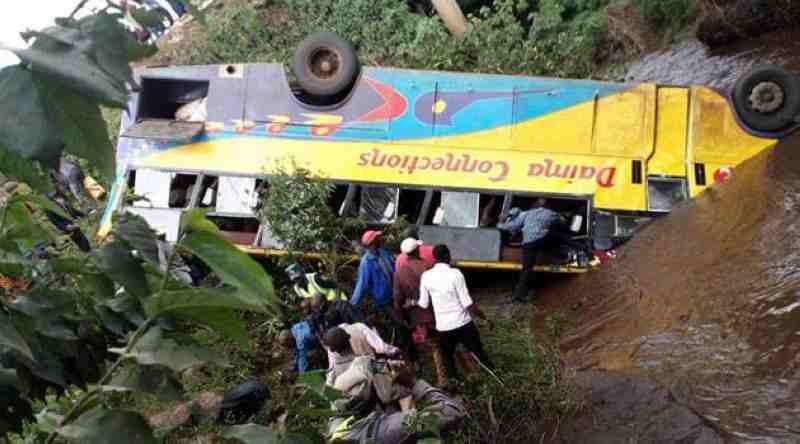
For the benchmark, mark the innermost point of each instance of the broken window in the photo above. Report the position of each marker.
(664, 193)
(459, 209)
(180, 190)
(170, 109)
(379, 204)
(411, 204)
(236, 195)
(152, 187)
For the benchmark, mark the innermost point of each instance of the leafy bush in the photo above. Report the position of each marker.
(386, 33)
(666, 14)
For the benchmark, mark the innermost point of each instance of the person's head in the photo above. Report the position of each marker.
(441, 253)
(540, 202)
(371, 240)
(337, 340)
(296, 273)
(410, 247)
(286, 339)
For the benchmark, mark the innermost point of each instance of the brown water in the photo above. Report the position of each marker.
(706, 301)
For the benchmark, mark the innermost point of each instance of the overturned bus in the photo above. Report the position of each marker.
(451, 152)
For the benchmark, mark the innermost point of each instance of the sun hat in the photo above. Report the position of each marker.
(409, 245)
(369, 237)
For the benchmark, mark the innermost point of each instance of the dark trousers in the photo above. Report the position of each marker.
(467, 335)
(529, 253)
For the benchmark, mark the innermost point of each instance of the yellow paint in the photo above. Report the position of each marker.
(267, 252)
(279, 118)
(715, 136)
(439, 107)
(322, 119)
(358, 161)
(669, 158)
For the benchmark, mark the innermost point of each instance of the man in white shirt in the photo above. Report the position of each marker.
(445, 288)
(364, 341)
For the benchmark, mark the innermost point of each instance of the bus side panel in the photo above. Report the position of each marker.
(716, 141)
(625, 123)
(672, 117)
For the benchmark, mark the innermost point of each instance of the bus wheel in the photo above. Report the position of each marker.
(325, 65)
(767, 98)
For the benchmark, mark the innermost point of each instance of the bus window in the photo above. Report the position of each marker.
(379, 204)
(340, 198)
(236, 195)
(180, 190)
(411, 204)
(491, 205)
(153, 187)
(459, 209)
(430, 206)
(664, 193)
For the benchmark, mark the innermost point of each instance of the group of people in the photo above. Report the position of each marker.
(418, 298)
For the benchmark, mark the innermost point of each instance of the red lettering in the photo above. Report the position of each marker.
(485, 166)
(393, 161)
(364, 159)
(535, 169)
(605, 177)
(437, 164)
(503, 171)
(587, 172)
(548, 164)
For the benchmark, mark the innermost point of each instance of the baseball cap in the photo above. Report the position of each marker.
(369, 237)
(294, 271)
(409, 244)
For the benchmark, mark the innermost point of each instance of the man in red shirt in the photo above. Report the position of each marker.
(408, 272)
(424, 252)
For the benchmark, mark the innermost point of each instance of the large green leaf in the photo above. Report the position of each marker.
(14, 166)
(127, 306)
(113, 322)
(221, 320)
(10, 337)
(175, 301)
(26, 127)
(232, 265)
(85, 133)
(154, 349)
(151, 379)
(8, 377)
(134, 230)
(100, 426)
(258, 434)
(119, 264)
(195, 221)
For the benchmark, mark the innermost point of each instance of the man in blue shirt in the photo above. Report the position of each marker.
(374, 273)
(536, 226)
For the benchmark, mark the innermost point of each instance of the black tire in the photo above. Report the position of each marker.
(325, 65)
(765, 115)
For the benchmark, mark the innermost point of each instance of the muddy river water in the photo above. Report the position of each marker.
(706, 301)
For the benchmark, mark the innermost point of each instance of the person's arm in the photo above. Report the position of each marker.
(361, 284)
(513, 225)
(325, 282)
(302, 357)
(376, 342)
(424, 295)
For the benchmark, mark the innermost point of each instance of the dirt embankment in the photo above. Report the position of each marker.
(706, 301)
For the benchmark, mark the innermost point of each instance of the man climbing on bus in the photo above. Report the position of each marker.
(539, 227)
(307, 285)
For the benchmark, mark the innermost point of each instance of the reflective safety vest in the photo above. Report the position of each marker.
(313, 288)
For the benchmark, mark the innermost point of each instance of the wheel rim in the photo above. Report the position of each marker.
(767, 97)
(324, 63)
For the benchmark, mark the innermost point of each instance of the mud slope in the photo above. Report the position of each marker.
(706, 301)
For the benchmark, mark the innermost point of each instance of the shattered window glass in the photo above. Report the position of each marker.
(460, 209)
(379, 204)
(663, 194)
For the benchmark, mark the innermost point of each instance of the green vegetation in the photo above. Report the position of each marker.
(666, 14)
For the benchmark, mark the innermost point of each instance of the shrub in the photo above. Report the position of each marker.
(666, 14)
